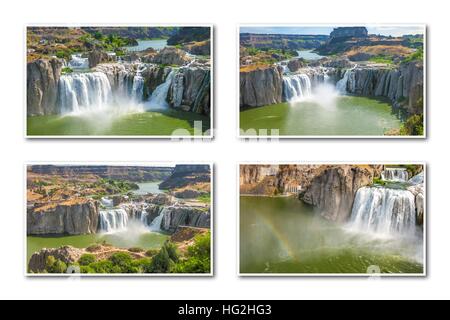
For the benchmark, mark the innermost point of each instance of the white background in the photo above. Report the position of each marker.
(225, 150)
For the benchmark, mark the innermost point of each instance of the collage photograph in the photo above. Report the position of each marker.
(224, 160)
(332, 81)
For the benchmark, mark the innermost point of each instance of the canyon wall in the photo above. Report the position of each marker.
(404, 86)
(185, 216)
(190, 90)
(184, 175)
(333, 190)
(129, 173)
(42, 86)
(262, 86)
(71, 219)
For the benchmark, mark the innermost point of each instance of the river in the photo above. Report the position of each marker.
(284, 235)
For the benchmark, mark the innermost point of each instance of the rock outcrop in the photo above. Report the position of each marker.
(175, 217)
(202, 48)
(171, 56)
(348, 32)
(260, 87)
(404, 86)
(295, 64)
(190, 90)
(71, 219)
(66, 254)
(274, 179)
(332, 192)
(42, 86)
(184, 175)
(188, 194)
(96, 57)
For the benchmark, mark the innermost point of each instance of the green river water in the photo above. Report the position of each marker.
(350, 115)
(150, 123)
(283, 235)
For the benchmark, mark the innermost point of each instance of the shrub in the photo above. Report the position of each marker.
(198, 256)
(53, 265)
(151, 252)
(123, 262)
(161, 263)
(86, 259)
(413, 126)
(136, 250)
(66, 70)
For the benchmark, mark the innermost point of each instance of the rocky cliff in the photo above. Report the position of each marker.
(171, 56)
(332, 191)
(274, 179)
(67, 254)
(190, 89)
(64, 218)
(260, 86)
(128, 173)
(97, 57)
(42, 86)
(185, 216)
(184, 175)
(403, 85)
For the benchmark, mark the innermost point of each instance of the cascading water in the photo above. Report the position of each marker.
(296, 87)
(113, 220)
(78, 62)
(395, 174)
(159, 95)
(155, 226)
(341, 85)
(84, 92)
(384, 211)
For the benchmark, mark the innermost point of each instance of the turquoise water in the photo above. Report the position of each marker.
(148, 187)
(145, 44)
(308, 55)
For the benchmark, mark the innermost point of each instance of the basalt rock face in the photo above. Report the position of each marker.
(348, 32)
(261, 87)
(75, 219)
(404, 86)
(295, 64)
(66, 254)
(198, 48)
(190, 90)
(184, 175)
(42, 86)
(185, 216)
(129, 173)
(154, 75)
(171, 56)
(332, 192)
(96, 57)
(418, 191)
(273, 179)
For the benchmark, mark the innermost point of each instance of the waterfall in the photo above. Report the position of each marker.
(341, 85)
(84, 91)
(159, 95)
(78, 62)
(107, 202)
(112, 220)
(296, 87)
(384, 211)
(395, 174)
(155, 226)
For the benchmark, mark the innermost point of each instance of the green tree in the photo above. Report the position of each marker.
(86, 259)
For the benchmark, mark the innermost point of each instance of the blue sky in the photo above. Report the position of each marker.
(383, 30)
